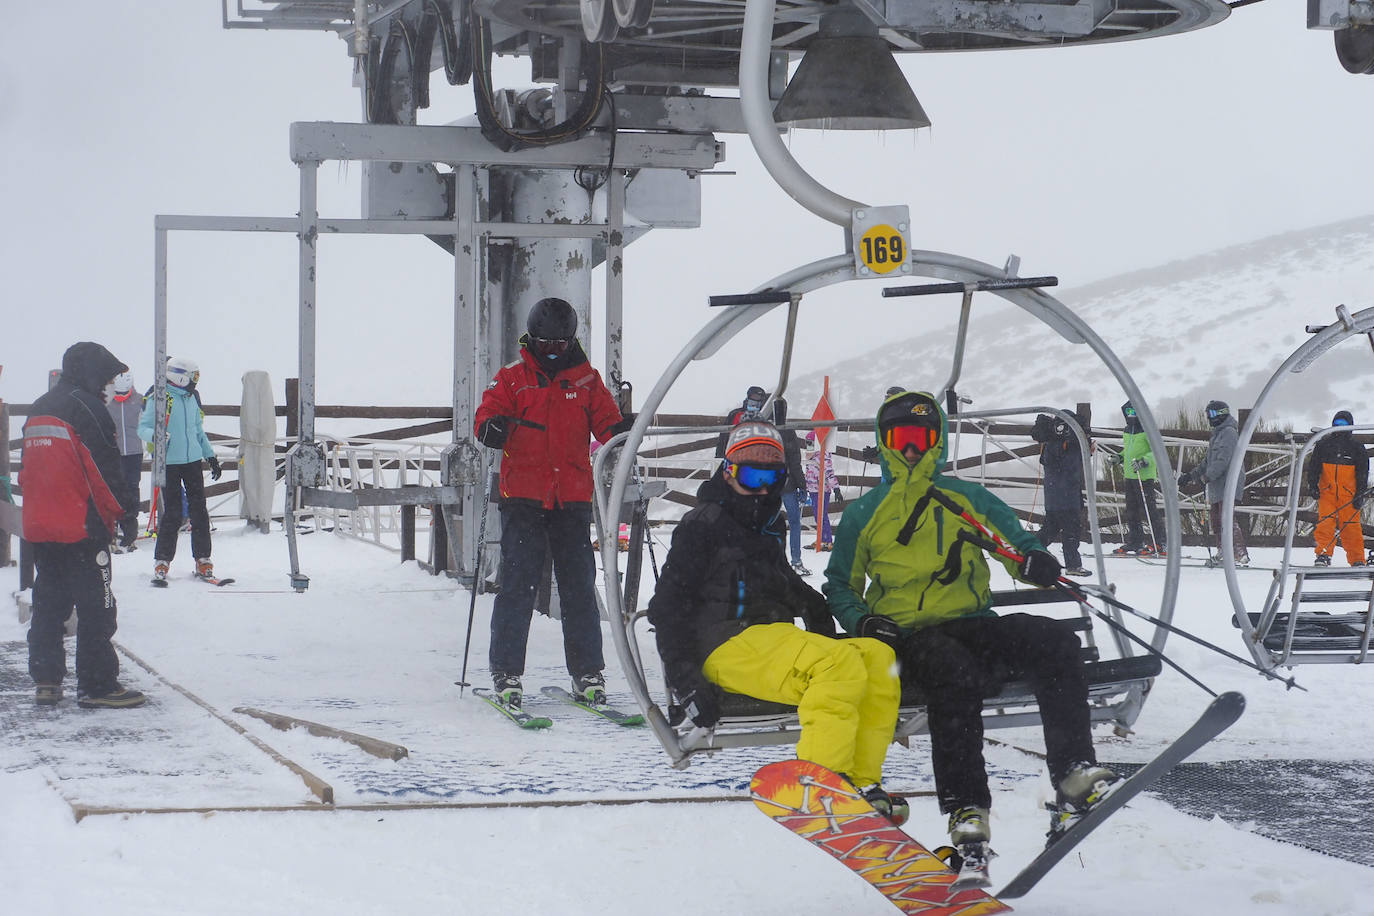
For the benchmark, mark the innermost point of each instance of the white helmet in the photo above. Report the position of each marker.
(123, 382)
(182, 372)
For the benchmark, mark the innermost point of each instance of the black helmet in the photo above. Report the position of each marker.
(552, 319)
(1217, 412)
(894, 391)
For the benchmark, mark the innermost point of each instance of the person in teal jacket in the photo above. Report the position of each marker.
(908, 567)
(1142, 486)
(187, 447)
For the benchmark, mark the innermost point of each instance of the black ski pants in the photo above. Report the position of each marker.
(132, 466)
(958, 663)
(1140, 506)
(70, 576)
(1065, 525)
(191, 477)
(1237, 536)
(528, 534)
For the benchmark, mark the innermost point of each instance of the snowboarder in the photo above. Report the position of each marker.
(908, 568)
(724, 614)
(1221, 449)
(1336, 478)
(1142, 485)
(187, 448)
(541, 411)
(125, 407)
(1063, 462)
(74, 493)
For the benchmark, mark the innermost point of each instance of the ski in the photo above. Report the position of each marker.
(518, 716)
(159, 583)
(822, 807)
(605, 711)
(212, 580)
(1218, 716)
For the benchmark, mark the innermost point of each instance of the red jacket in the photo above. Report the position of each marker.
(62, 484)
(549, 466)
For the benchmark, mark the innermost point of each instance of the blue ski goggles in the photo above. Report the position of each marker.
(755, 477)
(1340, 421)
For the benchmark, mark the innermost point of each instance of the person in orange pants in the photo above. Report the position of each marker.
(1337, 477)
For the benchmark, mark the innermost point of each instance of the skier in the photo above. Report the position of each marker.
(724, 616)
(1142, 484)
(1063, 462)
(541, 411)
(124, 408)
(1221, 449)
(187, 446)
(819, 500)
(794, 494)
(749, 409)
(1336, 478)
(74, 493)
(908, 568)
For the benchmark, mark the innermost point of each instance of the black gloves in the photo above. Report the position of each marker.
(1140, 464)
(701, 706)
(624, 425)
(876, 626)
(839, 497)
(215, 469)
(1039, 567)
(493, 432)
(870, 454)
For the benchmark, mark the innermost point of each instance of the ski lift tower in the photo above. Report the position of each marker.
(544, 185)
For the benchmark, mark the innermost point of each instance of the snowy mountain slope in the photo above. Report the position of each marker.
(1212, 326)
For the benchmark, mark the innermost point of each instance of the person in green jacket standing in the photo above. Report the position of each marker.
(1142, 486)
(908, 567)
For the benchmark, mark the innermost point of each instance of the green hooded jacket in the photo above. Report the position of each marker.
(935, 576)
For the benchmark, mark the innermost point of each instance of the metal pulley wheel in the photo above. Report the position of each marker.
(633, 14)
(598, 20)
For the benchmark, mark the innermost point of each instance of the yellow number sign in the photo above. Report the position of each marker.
(882, 249)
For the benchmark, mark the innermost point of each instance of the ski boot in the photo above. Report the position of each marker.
(1124, 551)
(507, 688)
(160, 574)
(590, 688)
(1323, 559)
(1213, 562)
(205, 569)
(1243, 561)
(968, 854)
(800, 569)
(1082, 789)
(1077, 572)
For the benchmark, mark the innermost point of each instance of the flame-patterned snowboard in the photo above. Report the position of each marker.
(822, 807)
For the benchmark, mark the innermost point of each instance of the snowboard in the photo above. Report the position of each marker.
(1219, 716)
(605, 711)
(518, 716)
(822, 807)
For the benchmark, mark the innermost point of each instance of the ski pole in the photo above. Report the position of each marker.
(1081, 594)
(476, 577)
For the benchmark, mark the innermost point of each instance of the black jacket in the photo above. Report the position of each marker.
(726, 571)
(1338, 448)
(1063, 463)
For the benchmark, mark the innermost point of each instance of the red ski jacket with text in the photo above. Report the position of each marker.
(70, 477)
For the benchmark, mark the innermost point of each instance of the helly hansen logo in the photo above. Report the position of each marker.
(570, 395)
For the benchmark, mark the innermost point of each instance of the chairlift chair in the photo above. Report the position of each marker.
(1118, 686)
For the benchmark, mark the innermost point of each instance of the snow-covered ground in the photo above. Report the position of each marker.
(374, 647)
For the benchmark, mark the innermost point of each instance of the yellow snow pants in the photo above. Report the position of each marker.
(846, 691)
